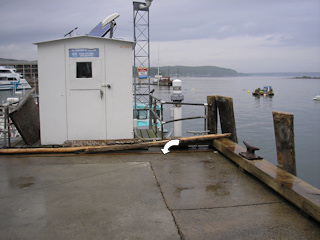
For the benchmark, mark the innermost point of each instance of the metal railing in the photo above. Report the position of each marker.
(154, 116)
(7, 129)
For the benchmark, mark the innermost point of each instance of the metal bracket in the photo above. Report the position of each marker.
(249, 154)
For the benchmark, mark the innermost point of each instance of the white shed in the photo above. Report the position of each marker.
(85, 89)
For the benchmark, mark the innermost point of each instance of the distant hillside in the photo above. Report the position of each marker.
(8, 60)
(174, 71)
(201, 71)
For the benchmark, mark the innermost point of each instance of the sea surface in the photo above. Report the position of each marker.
(253, 115)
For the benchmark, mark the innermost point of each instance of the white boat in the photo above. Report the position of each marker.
(11, 80)
(157, 78)
(317, 97)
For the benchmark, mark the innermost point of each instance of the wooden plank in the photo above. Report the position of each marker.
(151, 133)
(226, 113)
(212, 114)
(284, 134)
(183, 140)
(300, 193)
(156, 132)
(137, 133)
(144, 133)
(102, 149)
(26, 119)
(82, 143)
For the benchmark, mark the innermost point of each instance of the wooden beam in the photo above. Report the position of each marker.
(212, 114)
(103, 149)
(284, 134)
(300, 193)
(183, 140)
(25, 117)
(226, 114)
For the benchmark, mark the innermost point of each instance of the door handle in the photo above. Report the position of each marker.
(101, 94)
(108, 85)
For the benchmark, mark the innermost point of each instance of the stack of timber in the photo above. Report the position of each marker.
(110, 148)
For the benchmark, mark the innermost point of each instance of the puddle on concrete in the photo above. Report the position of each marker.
(21, 182)
(207, 163)
(179, 190)
(218, 189)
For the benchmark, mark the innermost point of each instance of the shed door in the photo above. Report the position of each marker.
(86, 105)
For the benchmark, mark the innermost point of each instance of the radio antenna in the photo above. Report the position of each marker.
(72, 31)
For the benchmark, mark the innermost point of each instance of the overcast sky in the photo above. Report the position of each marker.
(244, 35)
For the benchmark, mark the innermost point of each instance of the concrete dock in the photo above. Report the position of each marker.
(191, 194)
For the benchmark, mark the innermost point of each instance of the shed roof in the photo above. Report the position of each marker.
(83, 36)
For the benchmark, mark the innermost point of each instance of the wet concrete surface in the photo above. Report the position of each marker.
(141, 195)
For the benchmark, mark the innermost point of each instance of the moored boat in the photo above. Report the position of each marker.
(165, 81)
(142, 115)
(11, 80)
(317, 97)
(265, 91)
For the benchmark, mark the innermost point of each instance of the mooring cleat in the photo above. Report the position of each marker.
(249, 154)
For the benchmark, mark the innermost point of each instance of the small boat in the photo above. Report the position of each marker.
(165, 81)
(317, 97)
(11, 80)
(142, 115)
(265, 91)
(157, 78)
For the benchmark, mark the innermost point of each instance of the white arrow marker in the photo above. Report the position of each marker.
(175, 142)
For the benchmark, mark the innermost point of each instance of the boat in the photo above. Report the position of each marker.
(317, 97)
(157, 77)
(265, 91)
(142, 116)
(11, 80)
(165, 81)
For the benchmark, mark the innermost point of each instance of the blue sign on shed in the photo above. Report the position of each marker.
(83, 52)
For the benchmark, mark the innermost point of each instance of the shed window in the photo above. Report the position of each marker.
(84, 70)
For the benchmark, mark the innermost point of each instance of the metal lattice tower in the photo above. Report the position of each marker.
(141, 53)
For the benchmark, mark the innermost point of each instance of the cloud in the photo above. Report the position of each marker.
(244, 53)
(224, 33)
(19, 51)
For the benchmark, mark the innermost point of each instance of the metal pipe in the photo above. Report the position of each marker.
(9, 133)
(161, 112)
(181, 119)
(5, 125)
(156, 98)
(206, 116)
(150, 111)
(155, 115)
(183, 103)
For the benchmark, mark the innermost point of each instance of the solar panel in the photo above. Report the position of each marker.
(100, 31)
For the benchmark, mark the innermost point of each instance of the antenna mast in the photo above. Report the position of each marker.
(141, 54)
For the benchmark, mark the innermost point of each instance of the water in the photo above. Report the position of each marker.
(253, 115)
